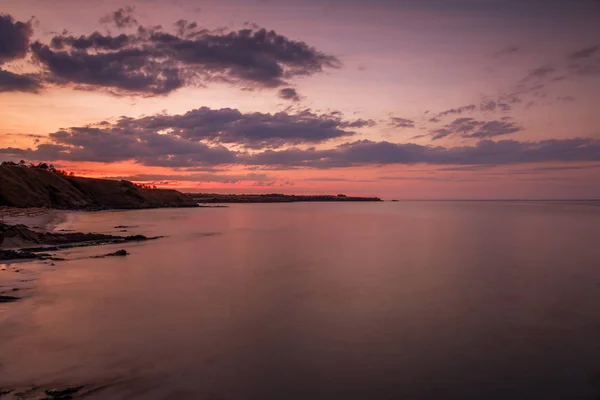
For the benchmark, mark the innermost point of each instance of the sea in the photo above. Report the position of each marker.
(310, 301)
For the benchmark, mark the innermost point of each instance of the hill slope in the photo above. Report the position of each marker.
(35, 187)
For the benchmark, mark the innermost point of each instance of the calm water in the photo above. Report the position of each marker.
(408, 300)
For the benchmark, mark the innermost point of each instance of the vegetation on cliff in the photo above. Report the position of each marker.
(40, 185)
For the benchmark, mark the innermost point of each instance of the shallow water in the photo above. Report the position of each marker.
(411, 300)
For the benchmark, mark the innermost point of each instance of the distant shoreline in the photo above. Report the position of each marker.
(210, 198)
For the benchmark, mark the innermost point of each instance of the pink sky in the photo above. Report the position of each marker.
(403, 99)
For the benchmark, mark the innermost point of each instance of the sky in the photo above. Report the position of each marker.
(405, 99)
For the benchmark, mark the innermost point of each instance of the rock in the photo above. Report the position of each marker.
(16, 254)
(118, 253)
(134, 238)
(63, 394)
(56, 241)
(8, 299)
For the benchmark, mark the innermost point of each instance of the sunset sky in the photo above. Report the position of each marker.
(407, 99)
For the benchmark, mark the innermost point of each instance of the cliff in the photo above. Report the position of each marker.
(22, 186)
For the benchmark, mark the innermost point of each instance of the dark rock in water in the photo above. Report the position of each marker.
(63, 394)
(125, 226)
(55, 241)
(16, 255)
(118, 253)
(8, 299)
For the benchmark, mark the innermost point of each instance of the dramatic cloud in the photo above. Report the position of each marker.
(471, 128)
(401, 122)
(14, 38)
(122, 18)
(191, 139)
(289, 94)
(162, 150)
(10, 82)
(485, 152)
(154, 62)
(14, 45)
(252, 130)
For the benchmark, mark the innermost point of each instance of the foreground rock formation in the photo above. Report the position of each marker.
(20, 242)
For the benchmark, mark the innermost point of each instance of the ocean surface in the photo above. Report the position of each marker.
(309, 301)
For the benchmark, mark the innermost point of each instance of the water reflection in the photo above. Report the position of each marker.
(310, 301)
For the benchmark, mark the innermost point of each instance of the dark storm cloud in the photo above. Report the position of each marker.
(401, 122)
(11, 82)
(153, 61)
(471, 128)
(122, 18)
(14, 38)
(289, 94)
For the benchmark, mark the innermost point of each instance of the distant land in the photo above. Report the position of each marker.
(273, 198)
(28, 186)
(43, 186)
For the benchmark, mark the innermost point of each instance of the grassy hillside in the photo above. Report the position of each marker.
(22, 186)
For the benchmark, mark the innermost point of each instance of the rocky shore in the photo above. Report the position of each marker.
(20, 242)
